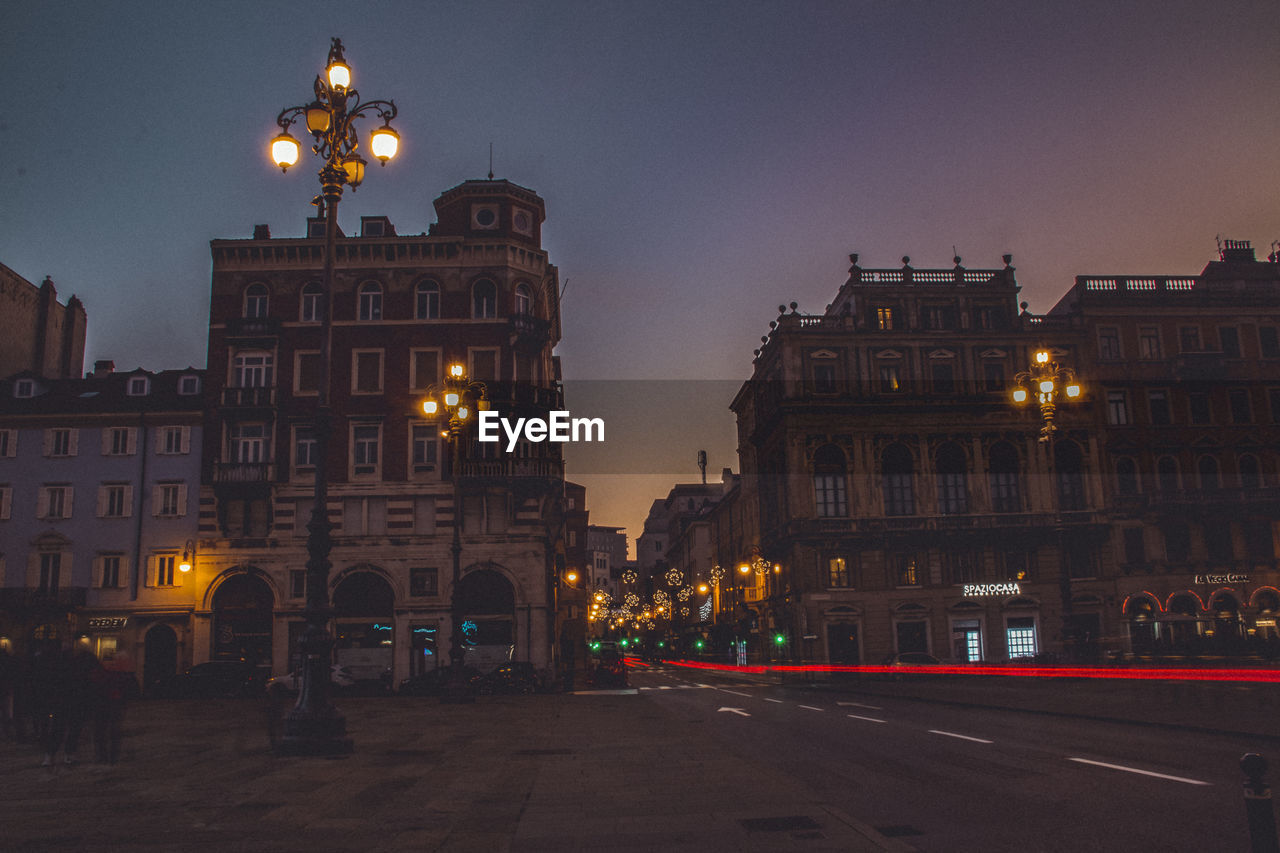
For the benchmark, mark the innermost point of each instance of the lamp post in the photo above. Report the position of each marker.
(1049, 382)
(458, 399)
(314, 726)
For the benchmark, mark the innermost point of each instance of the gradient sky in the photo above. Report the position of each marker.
(701, 162)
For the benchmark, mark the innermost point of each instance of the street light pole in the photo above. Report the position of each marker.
(314, 726)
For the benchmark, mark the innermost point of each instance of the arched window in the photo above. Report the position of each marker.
(1126, 476)
(370, 307)
(1167, 474)
(830, 500)
(524, 299)
(953, 490)
(484, 300)
(1005, 492)
(255, 301)
(896, 470)
(312, 303)
(1250, 472)
(1210, 478)
(426, 301)
(1068, 461)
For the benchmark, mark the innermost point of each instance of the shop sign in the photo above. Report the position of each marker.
(981, 589)
(107, 622)
(1222, 578)
(1266, 623)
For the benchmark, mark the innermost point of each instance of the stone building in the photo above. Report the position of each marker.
(37, 333)
(476, 290)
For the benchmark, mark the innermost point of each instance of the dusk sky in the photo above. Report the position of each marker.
(701, 162)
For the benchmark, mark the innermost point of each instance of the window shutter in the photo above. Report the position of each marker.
(186, 439)
(182, 499)
(103, 495)
(97, 571)
(106, 441)
(11, 448)
(6, 501)
(67, 501)
(157, 498)
(128, 501)
(73, 445)
(132, 443)
(42, 503)
(48, 442)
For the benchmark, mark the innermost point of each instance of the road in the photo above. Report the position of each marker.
(946, 778)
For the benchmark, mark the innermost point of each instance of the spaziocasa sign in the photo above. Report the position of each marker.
(981, 589)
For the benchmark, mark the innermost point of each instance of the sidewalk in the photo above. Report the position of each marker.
(523, 773)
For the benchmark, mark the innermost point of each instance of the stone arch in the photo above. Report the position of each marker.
(243, 607)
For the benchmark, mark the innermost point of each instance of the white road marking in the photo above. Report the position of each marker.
(776, 701)
(665, 687)
(736, 693)
(1142, 772)
(868, 719)
(810, 708)
(962, 737)
(860, 705)
(738, 711)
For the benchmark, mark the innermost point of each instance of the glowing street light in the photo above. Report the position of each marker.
(1046, 380)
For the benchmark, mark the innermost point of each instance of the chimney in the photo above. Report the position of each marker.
(103, 367)
(1238, 251)
(262, 232)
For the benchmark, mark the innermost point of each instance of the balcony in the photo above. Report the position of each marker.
(1200, 365)
(528, 332)
(253, 327)
(248, 398)
(513, 468)
(242, 473)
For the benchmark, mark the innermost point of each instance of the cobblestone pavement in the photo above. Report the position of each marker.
(561, 772)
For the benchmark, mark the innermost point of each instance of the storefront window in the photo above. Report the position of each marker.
(1021, 636)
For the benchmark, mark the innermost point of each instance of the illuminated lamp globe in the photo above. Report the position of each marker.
(1046, 385)
(185, 565)
(463, 413)
(455, 370)
(1042, 357)
(1073, 390)
(339, 74)
(353, 166)
(451, 399)
(745, 569)
(384, 142)
(1020, 395)
(285, 151)
(571, 577)
(430, 407)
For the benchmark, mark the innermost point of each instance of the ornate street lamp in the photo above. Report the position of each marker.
(314, 726)
(1048, 382)
(454, 402)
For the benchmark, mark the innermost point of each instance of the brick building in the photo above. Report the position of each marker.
(37, 333)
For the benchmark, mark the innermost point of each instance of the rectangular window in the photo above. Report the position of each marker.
(905, 570)
(306, 373)
(424, 368)
(939, 317)
(830, 495)
(1158, 406)
(1273, 397)
(1135, 551)
(55, 503)
(1241, 411)
(1217, 541)
(365, 440)
(1117, 408)
(60, 442)
(884, 319)
(484, 365)
(890, 382)
(117, 441)
(1148, 343)
(115, 501)
(304, 447)
(165, 565)
(1079, 559)
(993, 375)
(170, 500)
(824, 378)
(249, 443)
(50, 578)
(944, 377)
(424, 582)
(963, 566)
(1108, 343)
(109, 574)
(1229, 341)
(1020, 634)
(424, 515)
(8, 443)
(366, 372)
(837, 572)
(425, 441)
(1177, 542)
(1269, 341)
(1189, 339)
(1198, 406)
(175, 440)
(297, 583)
(1005, 495)
(6, 504)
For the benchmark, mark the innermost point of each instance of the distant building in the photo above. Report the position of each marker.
(478, 290)
(606, 553)
(37, 333)
(99, 479)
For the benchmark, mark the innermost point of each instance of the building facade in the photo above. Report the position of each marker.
(477, 290)
(37, 333)
(99, 479)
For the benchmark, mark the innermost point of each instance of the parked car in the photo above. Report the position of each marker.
(515, 677)
(431, 682)
(340, 678)
(215, 679)
(609, 670)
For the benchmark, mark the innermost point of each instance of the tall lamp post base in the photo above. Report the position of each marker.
(311, 735)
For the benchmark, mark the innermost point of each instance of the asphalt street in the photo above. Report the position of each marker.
(943, 777)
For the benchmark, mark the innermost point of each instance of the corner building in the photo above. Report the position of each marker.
(477, 289)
